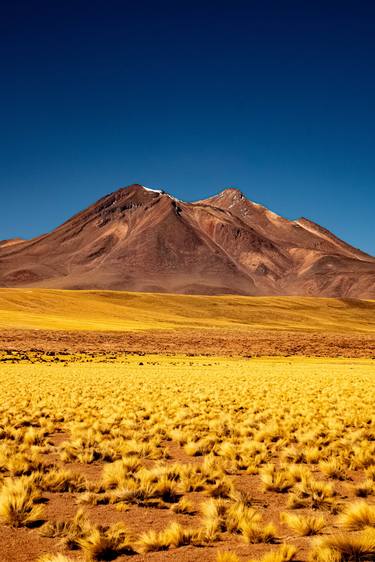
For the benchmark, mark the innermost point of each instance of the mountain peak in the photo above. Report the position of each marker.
(138, 189)
(232, 191)
(141, 238)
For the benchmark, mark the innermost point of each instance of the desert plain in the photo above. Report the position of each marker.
(175, 427)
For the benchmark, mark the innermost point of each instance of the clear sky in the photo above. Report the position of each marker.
(274, 97)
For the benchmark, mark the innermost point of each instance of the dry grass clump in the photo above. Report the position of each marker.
(284, 553)
(222, 516)
(107, 543)
(17, 503)
(147, 489)
(62, 480)
(276, 480)
(116, 473)
(365, 488)
(253, 532)
(345, 548)
(22, 464)
(370, 472)
(96, 542)
(173, 536)
(93, 498)
(357, 516)
(215, 515)
(70, 532)
(225, 516)
(223, 488)
(199, 448)
(313, 494)
(183, 506)
(333, 468)
(302, 525)
(298, 472)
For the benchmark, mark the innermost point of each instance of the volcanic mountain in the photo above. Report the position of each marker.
(140, 239)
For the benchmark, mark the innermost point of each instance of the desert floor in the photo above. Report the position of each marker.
(246, 454)
(114, 323)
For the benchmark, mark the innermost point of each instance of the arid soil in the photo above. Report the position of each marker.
(191, 342)
(25, 545)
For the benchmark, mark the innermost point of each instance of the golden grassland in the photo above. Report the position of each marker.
(120, 311)
(188, 459)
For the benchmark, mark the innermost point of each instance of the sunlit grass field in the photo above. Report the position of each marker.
(180, 458)
(120, 311)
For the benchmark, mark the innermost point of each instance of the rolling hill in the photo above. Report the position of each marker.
(121, 311)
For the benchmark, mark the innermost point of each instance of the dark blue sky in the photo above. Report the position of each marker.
(276, 98)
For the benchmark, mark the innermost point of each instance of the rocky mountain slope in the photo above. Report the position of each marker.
(140, 239)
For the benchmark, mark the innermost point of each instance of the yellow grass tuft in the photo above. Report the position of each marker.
(173, 536)
(314, 494)
(183, 506)
(333, 469)
(275, 480)
(17, 503)
(227, 557)
(365, 488)
(253, 533)
(358, 515)
(345, 548)
(104, 544)
(285, 553)
(303, 525)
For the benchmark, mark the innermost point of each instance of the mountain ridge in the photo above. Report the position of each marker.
(141, 239)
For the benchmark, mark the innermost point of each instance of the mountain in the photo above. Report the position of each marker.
(140, 239)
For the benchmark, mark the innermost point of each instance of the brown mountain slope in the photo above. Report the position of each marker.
(146, 240)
